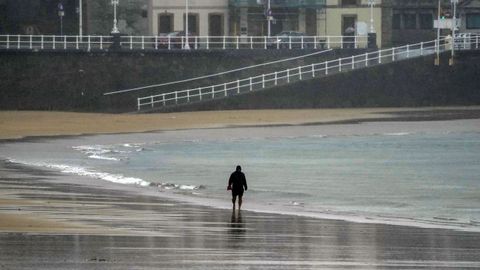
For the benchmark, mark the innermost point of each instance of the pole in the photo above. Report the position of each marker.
(61, 13)
(80, 18)
(437, 59)
(268, 19)
(186, 46)
(454, 26)
(372, 3)
(115, 28)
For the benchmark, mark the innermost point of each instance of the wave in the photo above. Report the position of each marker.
(76, 170)
(97, 152)
(108, 152)
(397, 134)
(171, 186)
(94, 156)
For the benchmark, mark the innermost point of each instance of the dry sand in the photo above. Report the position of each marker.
(19, 124)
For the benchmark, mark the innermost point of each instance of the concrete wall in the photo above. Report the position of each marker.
(77, 81)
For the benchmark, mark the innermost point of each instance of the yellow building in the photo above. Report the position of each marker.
(206, 17)
(248, 17)
(339, 15)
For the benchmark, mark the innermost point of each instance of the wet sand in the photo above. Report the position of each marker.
(48, 221)
(20, 124)
(99, 227)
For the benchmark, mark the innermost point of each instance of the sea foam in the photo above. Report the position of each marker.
(81, 171)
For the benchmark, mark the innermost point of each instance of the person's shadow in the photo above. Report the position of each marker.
(237, 225)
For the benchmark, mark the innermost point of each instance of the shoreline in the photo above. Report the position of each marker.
(200, 203)
(386, 220)
(74, 222)
(118, 228)
(28, 125)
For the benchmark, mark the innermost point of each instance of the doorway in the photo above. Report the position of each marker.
(348, 23)
(348, 31)
(311, 22)
(165, 23)
(215, 25)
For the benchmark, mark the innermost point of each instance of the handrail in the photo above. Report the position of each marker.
(63, 42)
(54, 42)
(294, 74)
(245, 42)
(93, 42)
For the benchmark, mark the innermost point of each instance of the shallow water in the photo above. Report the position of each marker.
(411, 175)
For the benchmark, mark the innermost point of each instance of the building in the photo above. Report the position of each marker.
(249, 17)
(469, 13)
(206, 17)
(406, 22)
(339, 15)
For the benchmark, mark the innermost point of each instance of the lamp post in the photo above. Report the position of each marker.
(437, 45)
(454, 28)
(371, 3)
(269, 18)
(80, 18)
(186, 46)
(61, 13)
(115, 28)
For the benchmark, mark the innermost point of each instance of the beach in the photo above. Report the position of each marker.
(52, 220)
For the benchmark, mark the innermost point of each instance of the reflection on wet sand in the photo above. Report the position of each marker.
(128, 231)
(237, 226)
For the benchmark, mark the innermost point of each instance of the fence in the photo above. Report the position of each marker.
(52, 42)
(467, 41)
(290, 75)
(243, 42)
(151, 43)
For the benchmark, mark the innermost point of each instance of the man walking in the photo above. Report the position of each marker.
(236, 184)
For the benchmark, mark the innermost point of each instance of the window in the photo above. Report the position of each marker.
(349, 2)
(397, 21)
(426, 21)
(410, 21)
(473, 21)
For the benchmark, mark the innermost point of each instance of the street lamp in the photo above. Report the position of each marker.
(371, 3)
(186, 46)
(61, 13)
(80, 18)
(115, 28)
(269, 18)
(454, 28)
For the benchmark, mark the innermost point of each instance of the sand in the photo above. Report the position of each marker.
(48, 221)
(149, 232)
(19, 124)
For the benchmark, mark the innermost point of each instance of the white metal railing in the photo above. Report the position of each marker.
(467, 41)
(243, 42)
(293, 74)
(53, 42)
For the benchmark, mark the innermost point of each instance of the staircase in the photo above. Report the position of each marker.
(312, 71)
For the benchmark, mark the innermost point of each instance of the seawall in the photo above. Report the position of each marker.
(76, 81)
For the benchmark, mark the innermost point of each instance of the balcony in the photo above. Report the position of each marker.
(279, 3)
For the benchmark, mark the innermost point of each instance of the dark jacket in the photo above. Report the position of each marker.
(237, 181)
